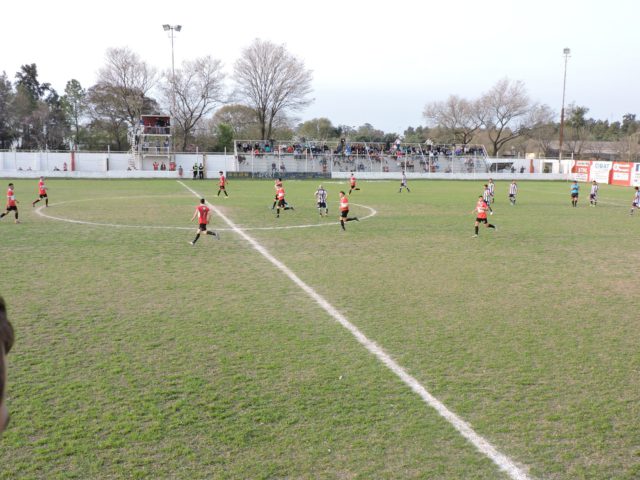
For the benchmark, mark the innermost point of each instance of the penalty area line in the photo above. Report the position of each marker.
(503, 462)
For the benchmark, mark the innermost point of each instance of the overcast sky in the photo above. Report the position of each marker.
(375, 62)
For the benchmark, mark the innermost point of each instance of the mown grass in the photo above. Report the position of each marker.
(139, 356)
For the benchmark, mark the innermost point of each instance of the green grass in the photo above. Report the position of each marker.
(139, 356)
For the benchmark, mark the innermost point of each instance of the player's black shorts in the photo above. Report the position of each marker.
(322, 204)
(202, 227)
(511, 195)
(43, 195)
(282, 203)
(635, 204)
(221, 187)
(574, 195)
(14, 208)
(481, 220)
(344, 213)
(592, 196)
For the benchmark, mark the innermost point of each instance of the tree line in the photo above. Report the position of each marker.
(266, 89)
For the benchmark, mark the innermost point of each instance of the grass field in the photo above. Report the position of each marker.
(140, 356)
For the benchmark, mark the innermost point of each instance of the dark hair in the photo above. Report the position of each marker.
(11, 184)
(202, 200)
(6, 342)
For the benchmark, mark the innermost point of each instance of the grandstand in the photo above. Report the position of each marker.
(274, 158)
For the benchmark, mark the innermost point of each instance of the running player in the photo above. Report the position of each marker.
(403, 182)
(6, 342)
(222, 185)
(486, 196)
(281, 202)
(344, 210)
(203, 212)
(12, 203)
(352, 183)
(42, 193)
(593, 194)
(636, 201)
(321, 200)
(277, 185)
(481, 214)
(575, 192)
(492, 190)
(513, 191)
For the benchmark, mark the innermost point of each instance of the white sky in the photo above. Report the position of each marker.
(376, 62)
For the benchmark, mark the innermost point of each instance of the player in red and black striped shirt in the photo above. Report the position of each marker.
(203, 212)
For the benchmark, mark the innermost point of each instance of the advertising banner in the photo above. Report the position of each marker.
(635, 175)
(599, 171)
(581, 170)
(621, 173)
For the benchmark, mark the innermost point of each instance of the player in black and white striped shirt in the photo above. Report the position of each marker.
(513, 191)
(636, 201)
(321, 200)
(492, 189)
(593, 194)
(486, 196)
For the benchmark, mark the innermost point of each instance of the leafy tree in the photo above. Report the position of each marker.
(75, 104)
(193, 92)
(317, 129)
(8, 134)
(108, 121)
(242, 119)
(272, 82)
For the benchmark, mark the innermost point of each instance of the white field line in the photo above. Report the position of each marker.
(502, 461)
(40, 211)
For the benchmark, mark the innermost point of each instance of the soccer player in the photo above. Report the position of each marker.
(593, 194)
(277, 185)
(403, 182)
(6, 342)
(222, 185)
(636, 201)
(575, 192)
(513, 191)
(486, 196)
(42, 193)
(492, 189)
(281, 202)
(321, 200)
(344, 210)
(12, 203)
(481, 214)
(352, 183)
(203, 212)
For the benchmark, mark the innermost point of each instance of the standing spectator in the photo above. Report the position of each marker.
(155, 165)
(201, 171)
(180, 171)
(6, 342)
(42, 193)
(12, 203)
(195, 171)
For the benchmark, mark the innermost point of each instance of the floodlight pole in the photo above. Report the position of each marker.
(172, 29)
(566, 52)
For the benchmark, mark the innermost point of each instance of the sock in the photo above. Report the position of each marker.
(476, 229)
(2, 214)
(196, 239)
(226, 194)
(490, 226)
(342, 224)
(209, 232)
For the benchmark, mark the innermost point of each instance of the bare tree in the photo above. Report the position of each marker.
(194, 91)
(130, 80)
(508, 112)
(272, 82)
(460, 116)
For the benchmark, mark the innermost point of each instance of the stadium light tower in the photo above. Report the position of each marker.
(172, 29)
(566, 52)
